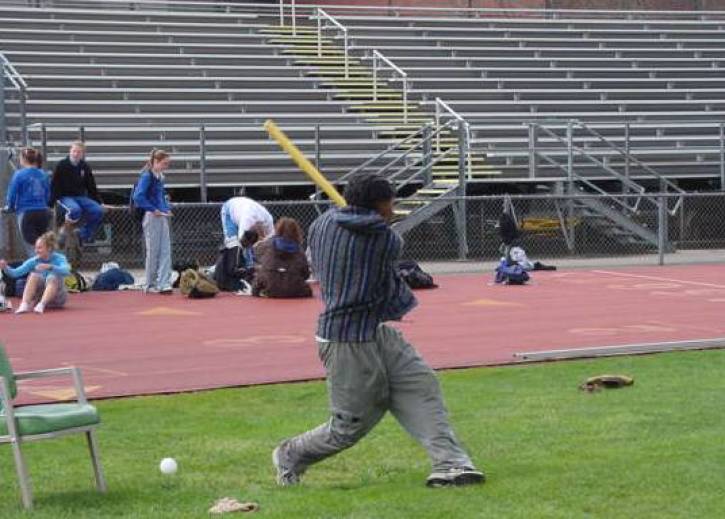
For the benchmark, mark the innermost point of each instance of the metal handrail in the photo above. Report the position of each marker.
(403, 75)
(628, 182)
(664, 182)
(394, 147)
(458, 117)
(320, 14)
(7, 70)
(293, 15)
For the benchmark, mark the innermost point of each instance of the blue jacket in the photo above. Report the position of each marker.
(60, 268)
(354, 252)
(150, 193)
(29, 190)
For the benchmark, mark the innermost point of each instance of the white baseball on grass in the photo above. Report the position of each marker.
(168, 466)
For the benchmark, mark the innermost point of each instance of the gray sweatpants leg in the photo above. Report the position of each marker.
(157, 238)
(366, 379)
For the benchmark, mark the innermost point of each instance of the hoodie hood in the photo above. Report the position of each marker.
(360, 219)
(284, 245)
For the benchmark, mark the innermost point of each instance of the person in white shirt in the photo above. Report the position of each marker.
(241, 215)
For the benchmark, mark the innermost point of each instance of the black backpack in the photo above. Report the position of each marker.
(11, 284)
(137, 213)
(415, 276)
(229, 271)
(507, 228)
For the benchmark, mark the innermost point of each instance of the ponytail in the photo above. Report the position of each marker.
(155, 156)
(32, 156)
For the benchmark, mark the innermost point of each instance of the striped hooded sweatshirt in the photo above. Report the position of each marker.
(354, 253)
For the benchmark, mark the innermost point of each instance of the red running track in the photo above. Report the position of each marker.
(128, 343)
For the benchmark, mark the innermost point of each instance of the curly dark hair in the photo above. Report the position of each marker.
(367, 190)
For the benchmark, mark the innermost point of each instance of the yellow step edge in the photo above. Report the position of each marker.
(412, 202)
(288, 28)
(431, 191)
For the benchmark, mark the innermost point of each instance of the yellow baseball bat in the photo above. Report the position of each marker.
(305, 165)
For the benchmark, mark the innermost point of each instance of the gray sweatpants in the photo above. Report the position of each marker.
(364, 381)
(157, 239)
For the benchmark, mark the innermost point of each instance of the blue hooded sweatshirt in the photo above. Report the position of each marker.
(150, 193)
(29, 190)
(354, 252)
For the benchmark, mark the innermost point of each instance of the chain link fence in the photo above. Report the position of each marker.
(552, 227)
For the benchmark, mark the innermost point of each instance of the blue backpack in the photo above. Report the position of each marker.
(510, 274)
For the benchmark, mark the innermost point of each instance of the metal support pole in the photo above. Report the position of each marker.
(625, 189)
(722, 156)
(661, 229)
(202, 164)
(4, 219)
(319, 34)
(405, 100)
(318, 156)
(82, 133)
(3, 119)
(438, 128)
(294, 19)
(23, 118)
(281, 13)
(318, 146)
(532, 150)
(570, 154)
(570, 209)
(427, 155)
(44, 140)
(459, 208)
(347, 66)
(375, 76)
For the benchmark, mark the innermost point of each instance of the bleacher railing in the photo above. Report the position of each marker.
(377, 58)
(293, 15)
(443, 109)
(322, 19)
(10, 76)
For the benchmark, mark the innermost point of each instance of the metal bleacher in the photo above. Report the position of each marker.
(153, 75)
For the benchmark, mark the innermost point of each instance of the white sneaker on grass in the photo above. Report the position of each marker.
(455, 477)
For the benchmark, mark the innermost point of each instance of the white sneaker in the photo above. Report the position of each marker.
(246, 289)
(39, 308)
(24, 308)
(456, 476)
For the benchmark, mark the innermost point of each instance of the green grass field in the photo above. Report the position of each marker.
(550, 450)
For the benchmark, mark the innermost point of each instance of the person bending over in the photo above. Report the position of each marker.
(45, 287)
(370, 367)
(242, 215)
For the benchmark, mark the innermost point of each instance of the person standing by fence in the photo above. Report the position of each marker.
(28, 195)
(150, 196)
